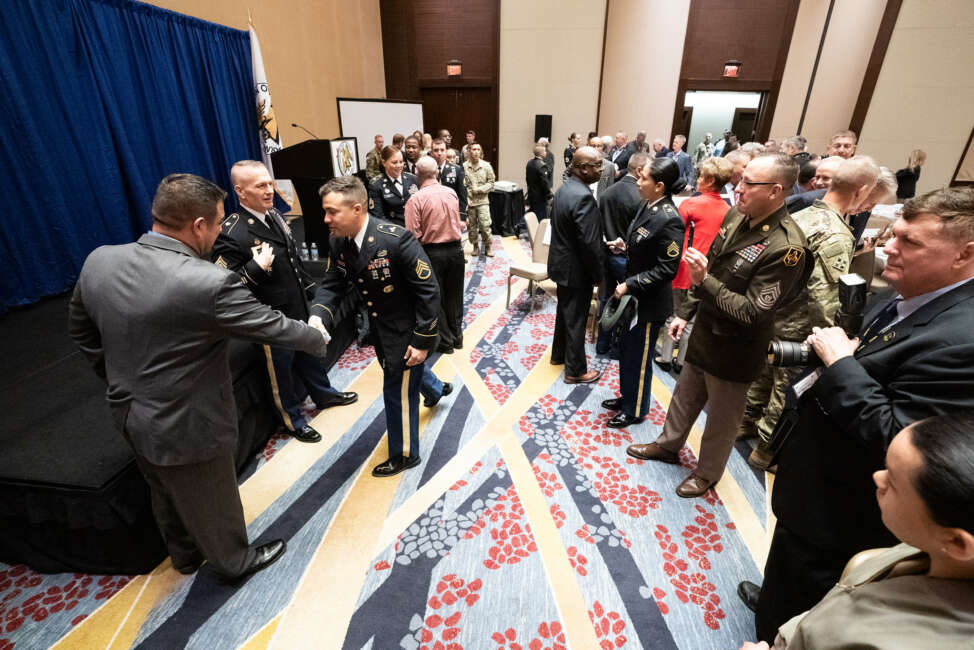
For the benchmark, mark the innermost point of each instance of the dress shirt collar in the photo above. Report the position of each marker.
(360, 237)
(262, 217)
(907, 306)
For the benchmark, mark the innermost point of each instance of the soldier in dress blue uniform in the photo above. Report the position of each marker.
(390, 191)
(450, 175)
(257, 245)
(653, 245)
(393, 276)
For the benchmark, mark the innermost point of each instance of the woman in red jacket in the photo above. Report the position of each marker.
(705, 212)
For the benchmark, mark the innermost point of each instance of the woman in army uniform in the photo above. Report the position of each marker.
(389, 192)
(653, 245)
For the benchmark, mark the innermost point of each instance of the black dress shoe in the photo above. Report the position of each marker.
(613, 404)
(447, 389)
(264, 556)
(749, 593)
(458, 344)
(622, 420)
(341, 399)
(306, 434)
(395, 465)
(443, 349)
(665, 365)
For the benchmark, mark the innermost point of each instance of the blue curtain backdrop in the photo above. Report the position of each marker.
(101, 99)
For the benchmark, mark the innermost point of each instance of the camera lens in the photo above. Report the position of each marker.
(785, 354)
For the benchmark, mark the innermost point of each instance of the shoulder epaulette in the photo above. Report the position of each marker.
(390, 229)
(230, 222)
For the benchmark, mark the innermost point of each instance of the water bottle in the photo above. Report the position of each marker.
(314, 251)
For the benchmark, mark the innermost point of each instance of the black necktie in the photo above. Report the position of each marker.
(887, 316)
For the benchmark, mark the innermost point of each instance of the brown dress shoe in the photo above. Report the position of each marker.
(652, 451)
(589, 377)
(761, 458)
(693, 486)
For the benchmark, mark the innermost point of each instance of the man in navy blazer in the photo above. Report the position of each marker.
(913, 358)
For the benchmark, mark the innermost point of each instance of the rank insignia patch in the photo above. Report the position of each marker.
(793, 256)
(673, 249)
(222, 263)
(769, 296)
(423, 270)
(751, 252)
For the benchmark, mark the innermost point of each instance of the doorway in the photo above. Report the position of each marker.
(716, 111)
(459, 110)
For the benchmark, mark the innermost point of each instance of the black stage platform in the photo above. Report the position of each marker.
(71, 497)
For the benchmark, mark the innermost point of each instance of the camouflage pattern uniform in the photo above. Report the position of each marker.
(479, 181)
(832, 246)
(373, 165)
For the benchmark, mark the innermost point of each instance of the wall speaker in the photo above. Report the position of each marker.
(542, 127)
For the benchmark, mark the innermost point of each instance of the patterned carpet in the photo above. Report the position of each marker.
(526, 526)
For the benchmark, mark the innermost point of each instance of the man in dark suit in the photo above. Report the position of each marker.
(539, 187)
(619, 155)
(387, 266)
(410, 154)
(575, 263)
(608, 175)
(256, 244)
(153, 317)
(757, 263)
(912, 360)
(618, 205)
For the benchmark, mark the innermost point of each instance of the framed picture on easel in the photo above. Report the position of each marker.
(344, 156)
(964, 174)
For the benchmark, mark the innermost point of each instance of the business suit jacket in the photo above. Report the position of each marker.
(288, 286)
(607, 178)
(452, 177)
(750, 273)
(539, 187)
(387, 202)
(154, 320)
(654, 243)
(798, 202)
(577, 253)
(621, 160)
(919, 367)
(549, 161)
(618, 205)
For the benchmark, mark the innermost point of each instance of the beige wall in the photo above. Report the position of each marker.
(643, 56)
(549, 64)
(845, 55)
(314, 51)
(924, 97)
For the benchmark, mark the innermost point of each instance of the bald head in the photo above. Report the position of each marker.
(587, 164)
(426, 168)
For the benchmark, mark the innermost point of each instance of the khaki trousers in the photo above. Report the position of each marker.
(725, 402)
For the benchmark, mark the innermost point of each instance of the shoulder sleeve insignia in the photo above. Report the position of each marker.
(389, 229)
(673, 249)
(423, 270)
(222, 263)
(793, 256)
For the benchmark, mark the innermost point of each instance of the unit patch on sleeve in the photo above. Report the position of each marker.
(793, 256)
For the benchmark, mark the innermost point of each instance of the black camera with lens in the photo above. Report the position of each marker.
(852, 303)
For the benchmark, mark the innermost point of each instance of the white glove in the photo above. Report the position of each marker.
(315, 322)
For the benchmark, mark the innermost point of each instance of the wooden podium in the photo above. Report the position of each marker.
(308, 166)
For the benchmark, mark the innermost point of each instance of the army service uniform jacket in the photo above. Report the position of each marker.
(288, 286)
(750, 273)
(387, 202)
(395, 282)
(653, 247)
(452, 176)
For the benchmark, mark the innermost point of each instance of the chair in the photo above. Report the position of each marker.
(537, 269)
(532, 222)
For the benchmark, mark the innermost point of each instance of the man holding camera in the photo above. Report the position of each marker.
(913, 359)
(831, 244)
(757, 262)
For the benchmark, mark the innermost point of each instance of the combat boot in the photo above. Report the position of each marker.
(487, 251)
(761, 458)
(747, 429)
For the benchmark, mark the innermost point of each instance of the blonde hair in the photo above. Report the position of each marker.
(718, 169)
(917, 158)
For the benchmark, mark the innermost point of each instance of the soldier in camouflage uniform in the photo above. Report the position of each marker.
(373, 159)
(829, 238)
(479, 179)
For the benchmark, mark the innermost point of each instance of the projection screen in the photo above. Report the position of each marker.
(364, 118)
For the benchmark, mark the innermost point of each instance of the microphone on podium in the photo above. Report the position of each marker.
(296, 125)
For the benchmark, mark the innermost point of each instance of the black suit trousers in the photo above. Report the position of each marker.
(803, 572)
(568, 344)
(448, 267)
(197, 508)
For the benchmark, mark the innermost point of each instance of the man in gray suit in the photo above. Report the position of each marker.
(608, 174)
(154, 318)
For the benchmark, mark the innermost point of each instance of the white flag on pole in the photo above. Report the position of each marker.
(269, 133)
